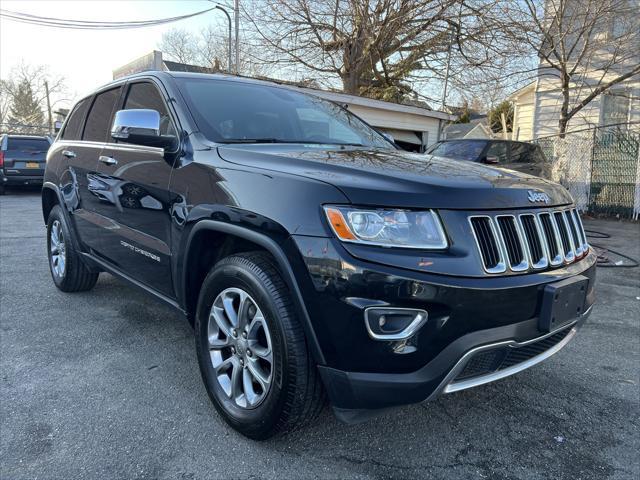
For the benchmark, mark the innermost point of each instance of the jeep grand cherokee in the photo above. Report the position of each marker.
(312, 257)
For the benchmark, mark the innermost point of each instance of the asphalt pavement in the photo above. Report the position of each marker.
(105, 384)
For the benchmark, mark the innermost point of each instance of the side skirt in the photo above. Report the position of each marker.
(104, 266)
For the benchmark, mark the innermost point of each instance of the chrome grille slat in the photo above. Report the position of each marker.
(491, 248)
(554, 244)
(567, 247)
(580, 229)
(577, 244)
(513, 242)
(534, 244)
(529, 241)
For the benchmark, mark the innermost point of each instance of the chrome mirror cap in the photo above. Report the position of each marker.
(129, 124)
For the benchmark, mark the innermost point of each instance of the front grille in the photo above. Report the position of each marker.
(490, 361)
(529, 241)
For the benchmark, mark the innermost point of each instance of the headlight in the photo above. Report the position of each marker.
(388, 228)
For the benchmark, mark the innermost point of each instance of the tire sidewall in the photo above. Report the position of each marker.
(256, 422)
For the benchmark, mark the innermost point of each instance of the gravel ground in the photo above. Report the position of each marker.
(105, 384)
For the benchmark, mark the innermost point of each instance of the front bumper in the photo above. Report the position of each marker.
(467, 317)
(356, 396)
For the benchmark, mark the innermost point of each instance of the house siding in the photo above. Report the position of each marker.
(523, 116)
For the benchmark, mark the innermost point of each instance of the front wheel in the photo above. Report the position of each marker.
(67, 270)
(252, 350)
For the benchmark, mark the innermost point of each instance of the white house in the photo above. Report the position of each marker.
(537, 105)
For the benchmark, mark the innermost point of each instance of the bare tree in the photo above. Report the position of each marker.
(587, 46)
(23, 97)
(379, 48)
(182, 46)
(5, 102)
(208, 48)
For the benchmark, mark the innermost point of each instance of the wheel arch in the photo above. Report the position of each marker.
(234, 239)
(50, 198)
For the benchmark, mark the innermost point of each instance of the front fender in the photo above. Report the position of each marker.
(281, 260)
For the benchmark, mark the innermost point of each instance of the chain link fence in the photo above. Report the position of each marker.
(601, 169)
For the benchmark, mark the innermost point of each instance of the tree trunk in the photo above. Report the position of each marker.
(350, 83)
(564, 109)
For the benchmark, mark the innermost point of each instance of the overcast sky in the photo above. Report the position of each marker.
(86, 58)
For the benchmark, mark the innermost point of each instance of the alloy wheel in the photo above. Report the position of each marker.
(240, 348)
(57, 248)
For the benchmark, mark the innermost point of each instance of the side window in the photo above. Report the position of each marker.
(521, 153)
(145, 95)
(73, 128)
(499, 150)
(99, 119)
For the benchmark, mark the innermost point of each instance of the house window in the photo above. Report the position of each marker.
(615, 109)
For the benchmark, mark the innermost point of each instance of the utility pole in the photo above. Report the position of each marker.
(50, 116)
(236, 14)
(230, 38)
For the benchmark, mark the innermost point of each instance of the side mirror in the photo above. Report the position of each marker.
(491, 160)
(141, 127)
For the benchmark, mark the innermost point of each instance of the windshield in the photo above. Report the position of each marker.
(240, 112)
(462, 150)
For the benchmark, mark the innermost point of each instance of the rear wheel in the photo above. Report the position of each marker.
(67, 270)
(252, 350)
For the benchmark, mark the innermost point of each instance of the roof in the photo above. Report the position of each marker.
(523, 90)
(461, 130)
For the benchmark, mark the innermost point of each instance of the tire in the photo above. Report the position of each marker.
(294, 395)
(2, 189)
(68, 271)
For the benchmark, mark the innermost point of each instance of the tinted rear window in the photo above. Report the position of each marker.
(28, 144)
(74, 124)
(463, 150)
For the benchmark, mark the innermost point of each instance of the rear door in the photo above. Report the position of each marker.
(137, 177)
(25, 156)
(81, 178)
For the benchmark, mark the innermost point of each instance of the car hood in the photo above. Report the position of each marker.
(394, 178)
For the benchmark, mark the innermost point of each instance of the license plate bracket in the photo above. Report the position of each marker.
(562, 302)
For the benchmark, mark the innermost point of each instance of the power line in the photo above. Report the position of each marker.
(89, 24)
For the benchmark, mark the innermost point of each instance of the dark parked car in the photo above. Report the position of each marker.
(312, 257)
(22, 160)
(520, 156)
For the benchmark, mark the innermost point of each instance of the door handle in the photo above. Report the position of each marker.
(69, 154)
(107, 160)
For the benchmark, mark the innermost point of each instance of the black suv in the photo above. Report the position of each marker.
(312, 257)
(520, 156)
(22, 160)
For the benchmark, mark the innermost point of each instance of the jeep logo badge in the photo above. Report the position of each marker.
(538, 197)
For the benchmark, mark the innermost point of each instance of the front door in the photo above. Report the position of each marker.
(137, 240)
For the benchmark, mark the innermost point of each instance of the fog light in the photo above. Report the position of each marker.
(393, 324)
